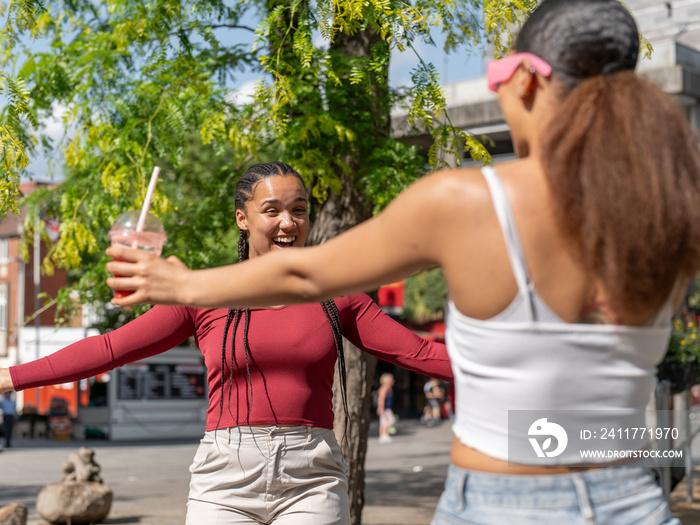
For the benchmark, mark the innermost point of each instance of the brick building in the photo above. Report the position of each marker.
(27, 330)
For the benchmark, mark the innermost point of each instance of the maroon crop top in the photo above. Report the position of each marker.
(291, 357)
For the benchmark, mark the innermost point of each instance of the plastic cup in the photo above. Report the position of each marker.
(151, 238)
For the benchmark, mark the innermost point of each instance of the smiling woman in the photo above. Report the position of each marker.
(271, 209)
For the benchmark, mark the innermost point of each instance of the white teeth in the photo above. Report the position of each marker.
(285, 239)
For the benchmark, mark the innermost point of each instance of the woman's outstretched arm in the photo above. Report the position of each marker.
(5, 381)
(154, 332)
(405, 238)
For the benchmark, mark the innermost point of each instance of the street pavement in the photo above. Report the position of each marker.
(150, 479)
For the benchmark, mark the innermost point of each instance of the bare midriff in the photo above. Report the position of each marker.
(468, 458)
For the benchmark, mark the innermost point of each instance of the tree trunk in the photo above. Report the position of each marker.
(352, 432)
(338, 213)
(346, 209)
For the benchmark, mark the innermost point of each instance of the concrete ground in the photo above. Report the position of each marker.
(687, 512)
(150, 480)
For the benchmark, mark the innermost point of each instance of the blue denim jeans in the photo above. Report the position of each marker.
(605, 496)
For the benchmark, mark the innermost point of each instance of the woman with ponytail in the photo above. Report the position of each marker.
(269, 453)
(564, 268)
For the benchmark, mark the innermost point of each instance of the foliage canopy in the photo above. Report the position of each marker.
(149, 83)
(17, 118)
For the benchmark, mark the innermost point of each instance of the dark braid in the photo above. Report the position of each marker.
(245, 188)
(236, 317)
(246, 350)
(242, 245)
(331, 311)
(223, 368)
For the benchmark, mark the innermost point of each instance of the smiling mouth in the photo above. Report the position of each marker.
(286, 241)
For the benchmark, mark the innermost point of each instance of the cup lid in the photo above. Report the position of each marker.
(129, 221)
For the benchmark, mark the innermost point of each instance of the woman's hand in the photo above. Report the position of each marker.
(149, 278)
(5, 381)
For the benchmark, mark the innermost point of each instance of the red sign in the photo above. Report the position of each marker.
(391, 295)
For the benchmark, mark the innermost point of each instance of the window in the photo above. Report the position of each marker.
(4, 313)
(4, 250)
(3, 306)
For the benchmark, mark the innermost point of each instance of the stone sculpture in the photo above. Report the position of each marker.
(80, 497)
(81, 466)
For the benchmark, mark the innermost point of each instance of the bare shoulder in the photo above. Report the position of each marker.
(441, 207)
(450, 189)
(454, 179)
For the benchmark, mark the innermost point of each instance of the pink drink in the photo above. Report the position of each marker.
(151, 238)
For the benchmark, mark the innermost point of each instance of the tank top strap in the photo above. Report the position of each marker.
(506, 219)
(667, 310)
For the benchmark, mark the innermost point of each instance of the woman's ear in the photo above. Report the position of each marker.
(527, 82)
(241, 220)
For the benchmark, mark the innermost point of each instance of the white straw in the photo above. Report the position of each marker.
(146, 204)
(147, 200)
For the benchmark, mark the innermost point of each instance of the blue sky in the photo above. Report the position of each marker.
(452, 68)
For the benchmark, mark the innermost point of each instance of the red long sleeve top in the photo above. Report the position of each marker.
(291, 357)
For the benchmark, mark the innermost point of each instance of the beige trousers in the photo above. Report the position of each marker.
(263, 475)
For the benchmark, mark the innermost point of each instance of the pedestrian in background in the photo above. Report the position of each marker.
(385, 405)
(9, 416)
(434, 398)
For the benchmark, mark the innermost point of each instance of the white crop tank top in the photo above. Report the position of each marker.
(526, 364)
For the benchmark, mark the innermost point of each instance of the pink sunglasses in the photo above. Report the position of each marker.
(500, 71)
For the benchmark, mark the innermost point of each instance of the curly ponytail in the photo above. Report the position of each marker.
(624, 168)
(620, 157)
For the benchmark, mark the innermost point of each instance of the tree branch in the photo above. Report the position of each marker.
(212, 26)
(41, 310)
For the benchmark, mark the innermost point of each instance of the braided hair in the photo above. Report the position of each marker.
(245, 188)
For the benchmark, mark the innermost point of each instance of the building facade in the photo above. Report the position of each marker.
(27, 327)
(672, 28)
